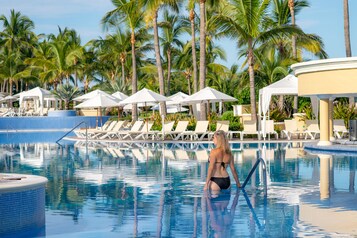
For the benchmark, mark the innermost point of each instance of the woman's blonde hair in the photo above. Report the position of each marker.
(222, 141)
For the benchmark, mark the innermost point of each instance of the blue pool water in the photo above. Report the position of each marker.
(156, 190)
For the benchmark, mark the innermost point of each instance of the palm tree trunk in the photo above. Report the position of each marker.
(122, 71)
(10, 87)
(194, 56)
(293, 42)
(346, 23)
(158, 63)
(251, 80)
(168, 71)
(134, 83)
(203, 53)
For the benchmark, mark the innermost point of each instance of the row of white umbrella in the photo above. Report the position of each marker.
(146, 97)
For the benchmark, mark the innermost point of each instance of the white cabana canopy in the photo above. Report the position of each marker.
(285, 86)
(36, 94)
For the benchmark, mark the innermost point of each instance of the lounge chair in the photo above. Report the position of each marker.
(133, 133)
(160, 134)
(199, 132)
(97, 133)
(312, 129)
(339, 128)
(82, 132)
(121, 134)
(145, 131)
(291, 129)
(249, 128)
(269, 129)
(181, 127)
(221, 125)
(109, 134)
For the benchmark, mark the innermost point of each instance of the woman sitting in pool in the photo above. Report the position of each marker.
(220, 158)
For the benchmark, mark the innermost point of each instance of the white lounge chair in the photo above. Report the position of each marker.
(145, 131)
(339, 128)
(269, 128)
(167, 129)
(291, 129)
(135, 133)
(97, 133)
(181, 127)
(199, 132)
(312, 129)
(109, 134)
(122, 134)
(82, 132)
(249, 128)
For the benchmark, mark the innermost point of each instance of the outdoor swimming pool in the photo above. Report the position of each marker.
(156, 190)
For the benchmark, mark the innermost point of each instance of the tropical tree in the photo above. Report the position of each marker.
(247, 21)
(66, 93)
(172, 28)
(191, 8)
(346, 24)
(129, 13)
(152, 8)
(16, 36)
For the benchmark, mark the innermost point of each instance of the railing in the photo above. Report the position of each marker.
(253, 170)
(83, 122)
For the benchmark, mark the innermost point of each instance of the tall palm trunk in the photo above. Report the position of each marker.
(194, 56)
(10, 86)
(251, 80)
(346, 23)
(158, 63)
(203, 53)
(122, 61)
(168, 71)
(134, 83)
(293, 42)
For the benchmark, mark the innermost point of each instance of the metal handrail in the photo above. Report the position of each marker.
(83, 122)
(253, 170)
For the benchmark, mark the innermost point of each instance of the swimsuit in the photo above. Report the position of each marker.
(223, 183)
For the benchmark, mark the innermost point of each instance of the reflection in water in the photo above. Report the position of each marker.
(136, 190)
(220, 215)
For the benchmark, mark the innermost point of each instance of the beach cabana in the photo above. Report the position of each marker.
(37, 94)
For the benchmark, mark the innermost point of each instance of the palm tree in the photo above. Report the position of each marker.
(191, 8)
(130, 13)
(152, 8)
(64, 56)
(202, 70)
(16, 36)
(291, 4)
(346, 24)
(172, 28)
(66, 93)
(247, 21)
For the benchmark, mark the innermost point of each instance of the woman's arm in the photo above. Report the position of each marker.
(234, 172)
(212, 162)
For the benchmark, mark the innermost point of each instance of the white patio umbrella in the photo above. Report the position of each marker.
(144, 96)
(99, 102)
(208, 95)
(93, 94)
(119, 95)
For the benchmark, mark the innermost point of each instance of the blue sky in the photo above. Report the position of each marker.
(324, 17)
